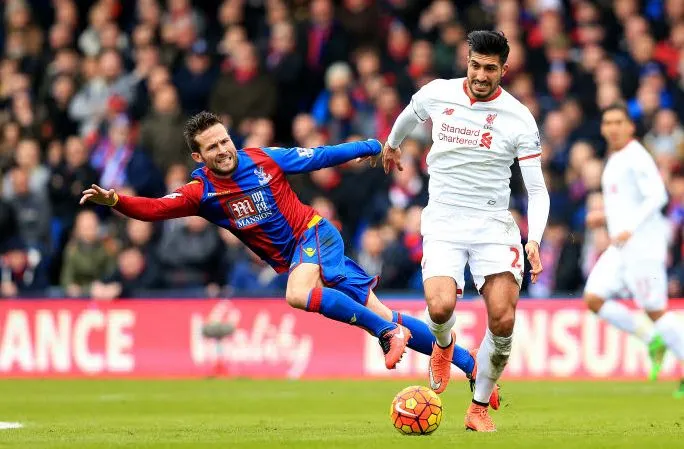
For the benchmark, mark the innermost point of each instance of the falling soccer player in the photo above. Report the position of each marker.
(246, 192)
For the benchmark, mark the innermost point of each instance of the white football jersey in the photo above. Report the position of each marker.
(474, 144)
(630, 178)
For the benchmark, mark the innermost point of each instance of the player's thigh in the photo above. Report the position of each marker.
(443, 268)
(647, 282)
(487, 259)
(606, 279)
(304, 277)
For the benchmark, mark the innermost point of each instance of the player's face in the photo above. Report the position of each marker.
(217, 150)
(617, 129)
(484, 74)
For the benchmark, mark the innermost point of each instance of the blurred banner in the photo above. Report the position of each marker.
(162, 338)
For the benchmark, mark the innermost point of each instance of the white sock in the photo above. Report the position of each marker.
(672, 331)
(620, 316)
(442, 332)
(491, 361)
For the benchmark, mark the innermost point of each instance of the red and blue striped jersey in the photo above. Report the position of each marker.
(256, 203)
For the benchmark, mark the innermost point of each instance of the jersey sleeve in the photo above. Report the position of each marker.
(183, 202)
(528, 146)
(420, 101)
(301, 160)
(652, 188)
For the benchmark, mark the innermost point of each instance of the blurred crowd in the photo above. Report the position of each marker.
(98, 91)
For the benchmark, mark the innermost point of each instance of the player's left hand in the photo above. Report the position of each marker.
(391, 156)
(532, 250)
(622, 238)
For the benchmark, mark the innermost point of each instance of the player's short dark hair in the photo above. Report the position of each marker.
(196, 125)
(488, 43)
(618, 106)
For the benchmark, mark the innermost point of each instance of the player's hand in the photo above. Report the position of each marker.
(98, 195)
(595, 219)
(532, 250)
(391, 156)
(372, 160)
(622, 238)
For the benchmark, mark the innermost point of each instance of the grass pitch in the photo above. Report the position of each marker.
(328, 414)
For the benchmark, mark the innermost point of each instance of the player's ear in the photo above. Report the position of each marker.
(504, 70)
(196, 157)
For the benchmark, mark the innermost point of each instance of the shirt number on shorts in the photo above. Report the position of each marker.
(516, 259)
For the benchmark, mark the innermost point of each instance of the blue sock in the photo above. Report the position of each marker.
(337, 306)
(421, 340)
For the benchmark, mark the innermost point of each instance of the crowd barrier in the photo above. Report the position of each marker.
(163, 338)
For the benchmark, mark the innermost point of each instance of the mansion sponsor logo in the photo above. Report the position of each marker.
(250, 209)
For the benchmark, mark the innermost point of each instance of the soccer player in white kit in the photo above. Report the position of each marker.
(478, 130)
(633, 196)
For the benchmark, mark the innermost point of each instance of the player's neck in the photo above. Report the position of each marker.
(474, 99)
(620, 147)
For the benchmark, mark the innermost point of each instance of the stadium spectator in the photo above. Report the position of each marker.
(161, 132)
(27, 159)
(32, 211)
(135, 273)
(22, 271)
(87, 258)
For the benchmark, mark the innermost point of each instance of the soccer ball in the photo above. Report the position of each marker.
(416, 410)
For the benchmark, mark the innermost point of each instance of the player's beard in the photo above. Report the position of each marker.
(224, 172)
(481, 96)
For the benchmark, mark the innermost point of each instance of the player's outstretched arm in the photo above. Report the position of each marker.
(403, 125)
(302, 160)
(181, 203)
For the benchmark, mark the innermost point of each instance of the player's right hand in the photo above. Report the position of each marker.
(98, 195)
(595, 219)
(391, 156)
(532, 250)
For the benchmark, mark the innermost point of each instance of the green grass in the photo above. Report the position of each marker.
(327, 414)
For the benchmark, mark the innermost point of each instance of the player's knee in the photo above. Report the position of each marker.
(593, 302)
(297, 297)
(502, 323)
(440, 310)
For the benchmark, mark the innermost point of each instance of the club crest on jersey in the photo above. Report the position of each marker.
(262, 176)
(489, 121)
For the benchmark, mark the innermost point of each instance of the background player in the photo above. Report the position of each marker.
(633, 196)
(246, 192)
(478, 129)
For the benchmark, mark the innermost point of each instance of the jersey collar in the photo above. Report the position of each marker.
(494, 96)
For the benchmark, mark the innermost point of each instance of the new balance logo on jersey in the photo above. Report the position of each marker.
(174, 195)
(486, 140)
(448, 111)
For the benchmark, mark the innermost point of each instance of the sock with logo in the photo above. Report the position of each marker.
(422, 339)
(441, 331)
(491, 361)
(337, 306)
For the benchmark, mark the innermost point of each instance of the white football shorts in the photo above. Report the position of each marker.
(453, 236)
(621, 270)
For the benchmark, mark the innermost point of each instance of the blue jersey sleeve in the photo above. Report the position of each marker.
(301, 160)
